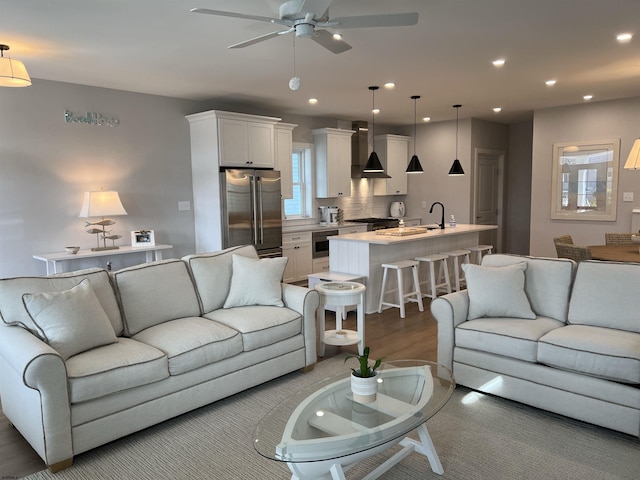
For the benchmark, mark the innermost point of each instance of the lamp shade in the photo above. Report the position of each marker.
(456, 168)
(414, 165)
(373, 164)
(101, 204)
(13, 73)
(633, 161)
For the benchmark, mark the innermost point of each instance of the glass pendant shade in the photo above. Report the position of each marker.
(414, 164)
(633, 160)
(13, 73)
(456, 168)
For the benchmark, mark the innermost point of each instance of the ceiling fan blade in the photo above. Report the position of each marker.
(222, 13)
(259, 39)
(364, 21)
(325, 38)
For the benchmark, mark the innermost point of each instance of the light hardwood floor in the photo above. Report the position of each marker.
(387, 335)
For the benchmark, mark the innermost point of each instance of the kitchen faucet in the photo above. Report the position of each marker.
(431, 211)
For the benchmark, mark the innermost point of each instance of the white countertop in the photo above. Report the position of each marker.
(373, 238)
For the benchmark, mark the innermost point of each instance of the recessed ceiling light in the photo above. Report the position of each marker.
(389, 85)
(588, 97)
(497, 109)
(550, 83)
(499, 62)
(375, 111)
(426, 119)
(313, 101)
(337, 36)
(624, 37)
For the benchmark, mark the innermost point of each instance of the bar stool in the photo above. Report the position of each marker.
(431, 260)
(480, 251)
(399, 267)
(456, 255)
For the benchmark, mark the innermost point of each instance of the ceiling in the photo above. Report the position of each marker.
(159, 47)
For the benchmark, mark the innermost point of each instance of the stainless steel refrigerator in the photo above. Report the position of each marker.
(252, 210)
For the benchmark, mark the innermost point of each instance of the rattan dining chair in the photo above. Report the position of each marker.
(576, 253)
(618, 239)
(563, 239)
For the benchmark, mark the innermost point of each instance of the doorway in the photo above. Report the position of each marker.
(488, 195)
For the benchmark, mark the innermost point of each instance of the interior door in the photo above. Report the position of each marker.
(488, 196)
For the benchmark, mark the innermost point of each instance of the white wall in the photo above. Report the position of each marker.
(589, 121)
(518, 188)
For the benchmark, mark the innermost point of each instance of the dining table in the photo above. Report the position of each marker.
(616, 253)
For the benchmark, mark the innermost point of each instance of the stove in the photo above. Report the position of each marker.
(377, 223)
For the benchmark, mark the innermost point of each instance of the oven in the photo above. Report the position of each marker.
(320, 242)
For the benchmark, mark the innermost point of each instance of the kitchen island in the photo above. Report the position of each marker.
(364, 253)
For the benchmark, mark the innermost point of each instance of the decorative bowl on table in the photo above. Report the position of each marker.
(72, 250)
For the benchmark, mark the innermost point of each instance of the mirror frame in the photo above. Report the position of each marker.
(564, 154)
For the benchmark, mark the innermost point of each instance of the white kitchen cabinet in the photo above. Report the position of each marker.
(393, 151)
(320, 265)
(283, 136)
(352, 229)
(333, 162)
(412, 222)
(297, 248)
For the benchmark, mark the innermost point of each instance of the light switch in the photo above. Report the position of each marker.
(424, 204)
(627, 197)
(184, 205)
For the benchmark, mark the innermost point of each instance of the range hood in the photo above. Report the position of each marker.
(360, 151)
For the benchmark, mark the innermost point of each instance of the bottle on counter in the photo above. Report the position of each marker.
(401, 224)
(452, 221)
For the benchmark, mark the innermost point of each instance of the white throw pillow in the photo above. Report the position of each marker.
(72, 321)
(256, 281)
(497, 291)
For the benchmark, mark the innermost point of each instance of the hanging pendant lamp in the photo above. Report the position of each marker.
(456, 169)
(414, 163)
(13, 73)
(373, 165)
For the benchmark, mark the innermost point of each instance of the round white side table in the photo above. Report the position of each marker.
(340, 294)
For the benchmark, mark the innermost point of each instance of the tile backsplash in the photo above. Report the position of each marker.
(361, 203)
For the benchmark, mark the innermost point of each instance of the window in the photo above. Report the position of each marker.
(300, 205)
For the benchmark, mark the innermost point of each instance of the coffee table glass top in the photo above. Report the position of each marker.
(323, 422)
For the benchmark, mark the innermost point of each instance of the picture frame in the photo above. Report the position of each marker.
(585, 180)
(143, 238)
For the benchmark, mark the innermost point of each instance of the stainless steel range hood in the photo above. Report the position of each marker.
(360, 151)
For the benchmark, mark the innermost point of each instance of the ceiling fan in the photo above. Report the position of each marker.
(309, 18)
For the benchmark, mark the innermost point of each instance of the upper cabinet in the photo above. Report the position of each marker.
(393, 151)
(284, 148)
(333, 162)
(240, 140)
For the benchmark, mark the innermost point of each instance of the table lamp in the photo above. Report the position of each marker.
(102, 204)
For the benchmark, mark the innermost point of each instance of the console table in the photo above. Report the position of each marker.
(52, 259)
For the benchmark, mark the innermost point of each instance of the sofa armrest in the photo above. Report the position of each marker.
(450, 311)
(34, 391)
(305, 301)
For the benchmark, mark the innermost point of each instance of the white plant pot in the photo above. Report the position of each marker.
(364, 389)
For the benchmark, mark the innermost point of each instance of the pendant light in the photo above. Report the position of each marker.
(373, 164)
(414, 163)
(12, 72)
(456, 168)
(294, 82)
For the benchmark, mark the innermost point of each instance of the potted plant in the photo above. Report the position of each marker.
(364, 380)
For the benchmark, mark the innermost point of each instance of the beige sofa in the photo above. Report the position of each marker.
(571, 346)
(169, 345)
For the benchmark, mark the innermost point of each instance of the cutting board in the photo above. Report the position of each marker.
(401, 232)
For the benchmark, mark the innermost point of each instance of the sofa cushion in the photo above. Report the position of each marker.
(12, 310)
(156, 292)
(256, 282)
(605, 294)
(71, 321)
(509, 337)
(114, 368)
(547, 282)
(601, 352)
(212, 274)
(260, 326)
(497, 291)
(192, 342)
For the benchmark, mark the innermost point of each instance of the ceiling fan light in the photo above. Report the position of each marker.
(456, 169)
(414, 165)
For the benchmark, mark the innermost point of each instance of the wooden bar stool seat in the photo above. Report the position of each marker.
(456, 255)
(479, 251)
(403, 297)
(443, 272)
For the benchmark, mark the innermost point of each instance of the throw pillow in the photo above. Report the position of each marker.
(71, 321)
(256, 281)
(497, 291)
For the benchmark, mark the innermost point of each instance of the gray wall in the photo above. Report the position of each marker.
(518, 188)
(589, 121)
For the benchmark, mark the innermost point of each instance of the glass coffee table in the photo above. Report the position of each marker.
(320, 432)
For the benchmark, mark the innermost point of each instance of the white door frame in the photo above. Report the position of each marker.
(500, 154)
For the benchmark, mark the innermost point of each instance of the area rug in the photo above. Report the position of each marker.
(490, 438)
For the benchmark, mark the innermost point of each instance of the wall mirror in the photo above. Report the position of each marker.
(585, 180)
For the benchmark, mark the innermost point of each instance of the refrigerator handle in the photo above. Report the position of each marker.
(260, 221)
(254, 210)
